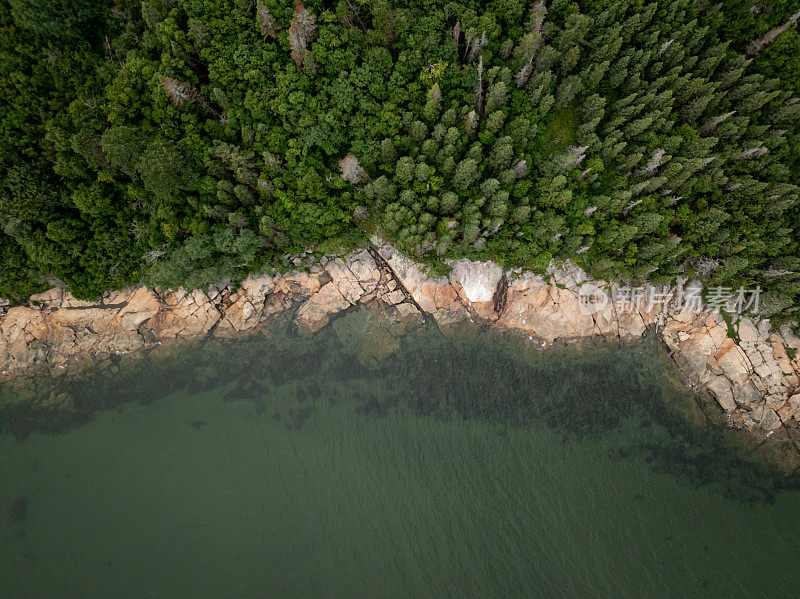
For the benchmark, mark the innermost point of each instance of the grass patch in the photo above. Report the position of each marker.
(558, 132)
(732, 332)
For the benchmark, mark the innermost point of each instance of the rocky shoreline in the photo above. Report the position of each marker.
(752, 377)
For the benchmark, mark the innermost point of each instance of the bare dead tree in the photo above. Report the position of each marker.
(538, 13)
(180, 93)
(753, 153)
(471, 124)
(352, 171)
(704, 266)
(301, 32)
(266, 22)
(757, 46)
(712, 123)
(479, 87)
(656, 160)
(475, 46)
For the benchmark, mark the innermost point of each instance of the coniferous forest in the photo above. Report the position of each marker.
(177, 142)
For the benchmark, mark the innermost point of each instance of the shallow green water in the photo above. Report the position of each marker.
(469, 466)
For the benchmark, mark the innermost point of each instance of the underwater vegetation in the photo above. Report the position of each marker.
(624, 398)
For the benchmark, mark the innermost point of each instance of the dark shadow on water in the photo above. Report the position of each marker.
(618, 395)
(297, 417)
(582, 395)
(19, 509)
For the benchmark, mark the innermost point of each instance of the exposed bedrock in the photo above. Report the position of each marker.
(753, 377)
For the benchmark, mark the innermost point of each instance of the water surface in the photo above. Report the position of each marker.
(368, 463)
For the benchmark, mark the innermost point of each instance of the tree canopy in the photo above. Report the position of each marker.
(177, 142)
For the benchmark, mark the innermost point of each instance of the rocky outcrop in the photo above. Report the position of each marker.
(350, 280)
(753, 377)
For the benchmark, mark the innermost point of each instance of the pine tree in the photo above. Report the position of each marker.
(465, 174)
(496, 98)
(501, 155)
(494, 122)
(405, 168)
(567, 90)
(388, 151)
(539, 86)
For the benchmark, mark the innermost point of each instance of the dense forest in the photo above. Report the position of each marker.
(177, 142)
